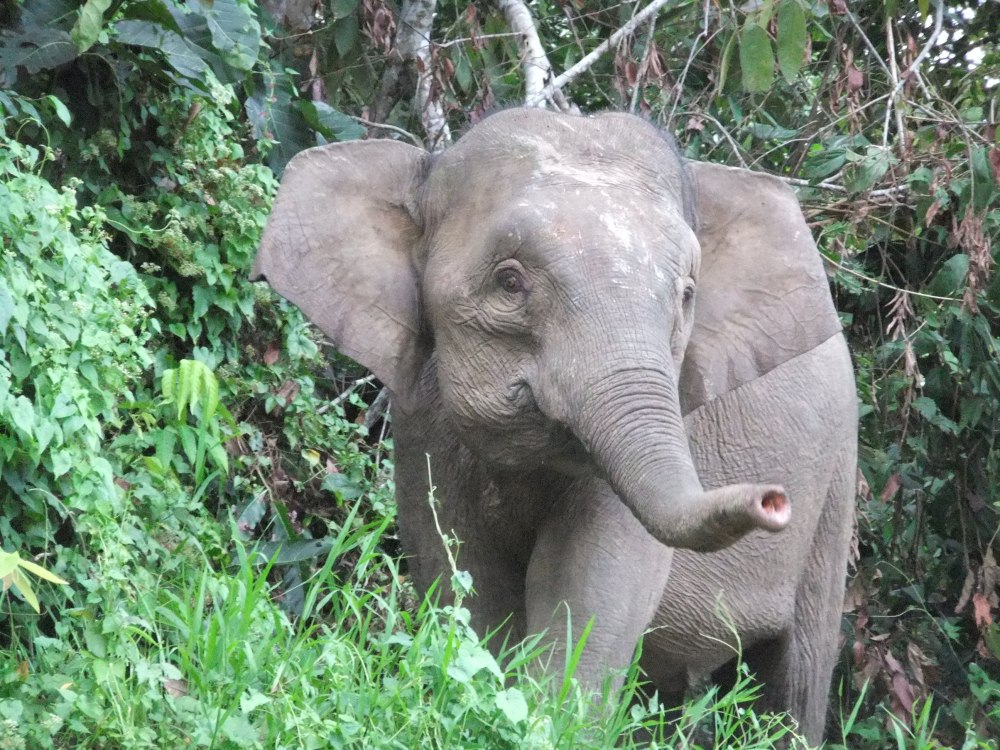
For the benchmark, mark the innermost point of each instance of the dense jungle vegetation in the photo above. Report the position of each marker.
(196, 514)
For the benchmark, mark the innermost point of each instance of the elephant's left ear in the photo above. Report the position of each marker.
(763, 296)
(338, 244)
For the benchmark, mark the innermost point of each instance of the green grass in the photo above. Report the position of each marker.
(205, 657)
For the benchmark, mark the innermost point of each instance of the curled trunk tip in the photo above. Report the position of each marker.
(775, 509)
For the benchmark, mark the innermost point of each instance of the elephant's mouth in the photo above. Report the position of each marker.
(565, 453)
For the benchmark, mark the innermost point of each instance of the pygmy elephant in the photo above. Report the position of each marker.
(608, 353)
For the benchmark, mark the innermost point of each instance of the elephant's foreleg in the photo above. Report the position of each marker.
(593, 556)
(797, 668)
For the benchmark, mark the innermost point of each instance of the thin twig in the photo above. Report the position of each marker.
(881, 192)
(679, 85)
(534, 62)
(478, 37)
(413, 41)
(346, 393)
(725, 133)
(882, 284)
(893, 105)
(925, 50)
(868, 43)
(385, 126)
(588, 61)
(643, 66)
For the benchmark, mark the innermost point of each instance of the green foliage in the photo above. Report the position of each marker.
(12, 572)
(74, 344)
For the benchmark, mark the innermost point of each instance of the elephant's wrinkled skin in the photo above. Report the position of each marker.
(599, 377)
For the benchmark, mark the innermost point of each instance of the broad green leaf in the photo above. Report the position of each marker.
(471, 659)
(825, 162)
(342, 8)
(43, 49)
(181, 56)
(60, 109)
(950, 279)
(791, 38)
(344, 488)
(6, 308)
(89, 24)
(235, 32)
(332, 123)
(8, 563)
(727, 57)
(168, 384)
(240, 732)
(861, 175)
(756, 58)
(22, 412)
(219, 457)
(156, 11)
(41, 572)
(766, 131)
(925, 8)
(21, 583)
(991, 637)
(208, 396)
(250, 515)
(345, 34)
(275, 116)
(513, 705)
(285, 553)
(253, 699)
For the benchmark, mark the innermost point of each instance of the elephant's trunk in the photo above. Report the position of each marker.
(629, 420)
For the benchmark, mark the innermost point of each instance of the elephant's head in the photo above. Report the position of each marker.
(542, 274)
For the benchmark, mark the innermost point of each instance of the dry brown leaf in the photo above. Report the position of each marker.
(920, 665)
(994, 157)
(981, 610)
(175, 688)
(272, 354)
(963, 598)
(855, 79)
(891, 488)
(932, 212)
(856, 595)
(902, 697)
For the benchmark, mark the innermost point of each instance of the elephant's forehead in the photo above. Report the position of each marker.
(589, 164)
(527, 159)
(635, 250)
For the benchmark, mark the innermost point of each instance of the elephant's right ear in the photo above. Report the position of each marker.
(338, 245)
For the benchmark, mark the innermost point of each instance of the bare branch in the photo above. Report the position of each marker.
(392, 128)
(643, 66)
(931, 41)
(413, 40)
(588, 61)
(898, 190)
(534, 61)
(411, 64)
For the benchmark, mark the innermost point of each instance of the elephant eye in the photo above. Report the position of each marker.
(510, 280)
(688, 294)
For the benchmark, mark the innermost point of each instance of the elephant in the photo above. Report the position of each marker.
(625, 372)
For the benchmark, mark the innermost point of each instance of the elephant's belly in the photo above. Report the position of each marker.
(708, 613)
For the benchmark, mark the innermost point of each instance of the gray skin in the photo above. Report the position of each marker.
(608, 354)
